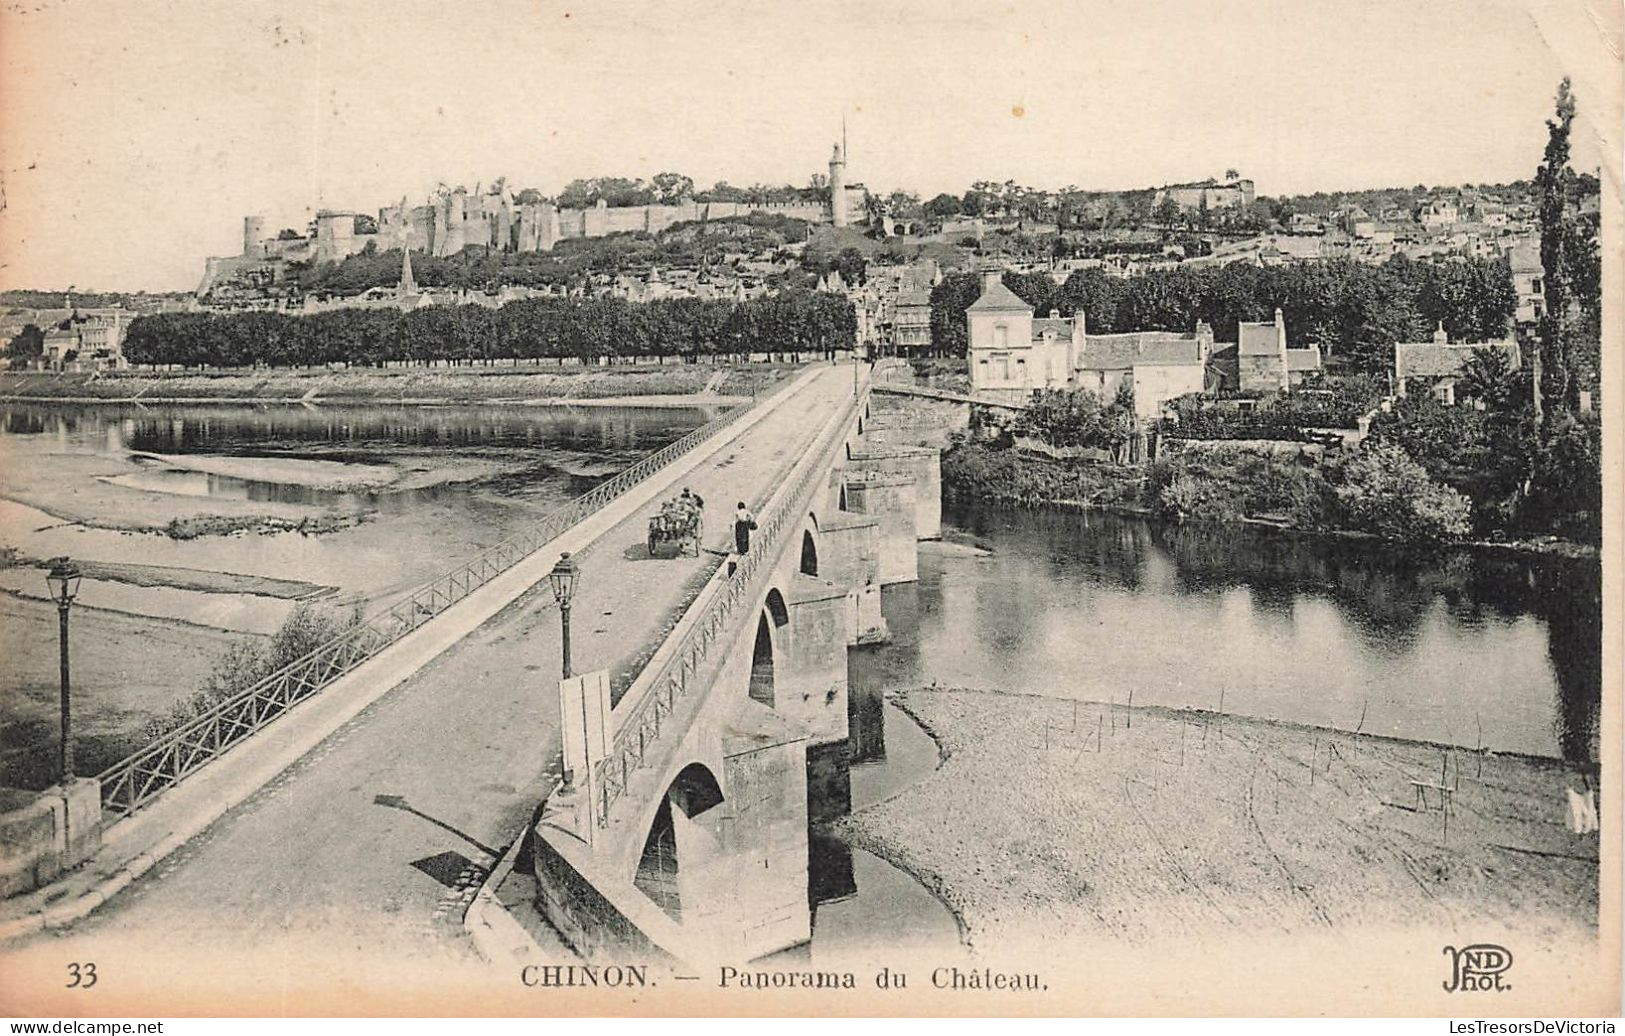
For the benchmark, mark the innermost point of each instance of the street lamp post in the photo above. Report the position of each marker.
(563, 577)
(63, 579)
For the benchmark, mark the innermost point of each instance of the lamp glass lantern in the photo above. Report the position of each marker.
(63, 579)
(563, 577)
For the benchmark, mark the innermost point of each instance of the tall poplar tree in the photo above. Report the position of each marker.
(1553, 179)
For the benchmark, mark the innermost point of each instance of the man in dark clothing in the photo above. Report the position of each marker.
(744, 522)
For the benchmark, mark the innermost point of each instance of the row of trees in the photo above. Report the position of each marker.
(1356, 310)
(793, 322)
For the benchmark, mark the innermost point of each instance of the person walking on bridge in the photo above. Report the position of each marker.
(744, 522)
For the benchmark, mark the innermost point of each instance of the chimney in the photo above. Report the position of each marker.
(990, 280)
(1074, 346)
(1054, 314)
(1441, 336)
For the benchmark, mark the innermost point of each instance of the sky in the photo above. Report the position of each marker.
(135, 137)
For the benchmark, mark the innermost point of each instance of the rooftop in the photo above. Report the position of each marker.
(1122, 351)
(1437, 360)
(999, 298)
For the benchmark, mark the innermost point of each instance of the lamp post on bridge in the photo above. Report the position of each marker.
(63, 579)
(564, 576)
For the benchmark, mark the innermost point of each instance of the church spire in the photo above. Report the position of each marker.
(408, 286)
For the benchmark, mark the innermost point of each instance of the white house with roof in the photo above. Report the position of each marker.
(1014, 354)
(1437, 366)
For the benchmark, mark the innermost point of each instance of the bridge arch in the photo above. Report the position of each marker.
(761, 663)
(774, 617)
(809, 553)
(693, 791)
(776, 608)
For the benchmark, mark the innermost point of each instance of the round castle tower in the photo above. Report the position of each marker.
(837, 186)
(253, 234)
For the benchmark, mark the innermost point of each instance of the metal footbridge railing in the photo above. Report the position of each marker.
(686, 669)
(132, 782)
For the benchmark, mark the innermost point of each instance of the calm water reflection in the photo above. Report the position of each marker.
(347, 432)
(1462, 647)
(470, 475)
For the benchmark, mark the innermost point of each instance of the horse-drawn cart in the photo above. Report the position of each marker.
(678, 521)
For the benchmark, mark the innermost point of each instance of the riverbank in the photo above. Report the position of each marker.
(1082, 821)
(976, 471)
(186, 496)
(127, 669)
(533, 384)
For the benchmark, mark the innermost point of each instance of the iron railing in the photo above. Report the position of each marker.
(943, 394)
(132, 782)
(685, 668)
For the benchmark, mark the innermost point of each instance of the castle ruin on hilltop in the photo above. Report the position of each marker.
(495, 219)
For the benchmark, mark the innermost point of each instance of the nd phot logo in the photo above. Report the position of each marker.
(1478, 967)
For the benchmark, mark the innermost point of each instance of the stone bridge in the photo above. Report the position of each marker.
(685, 830)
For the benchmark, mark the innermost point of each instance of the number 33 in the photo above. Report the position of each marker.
(84, 975)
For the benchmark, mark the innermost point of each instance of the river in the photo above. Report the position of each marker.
(405, 493)
(1479, 649)
(430, 486)
(1474, 648)
(1466, 647)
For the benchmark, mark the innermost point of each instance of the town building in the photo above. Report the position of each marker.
(1232, 192)
(1528, 280)
(1437, 366)
(1013, 355)
(911, 322)
(87, 340)
(1259, 361)
(1439, 212)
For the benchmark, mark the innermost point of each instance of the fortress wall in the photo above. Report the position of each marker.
(620, 221)
(446, 227)
(572, 222)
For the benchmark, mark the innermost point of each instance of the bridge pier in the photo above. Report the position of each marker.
(721, 873)
(852, 559)
(812, 674)
(742, 865)
(891, 499)
(921, 463)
